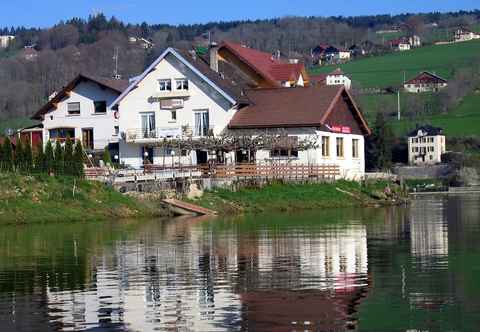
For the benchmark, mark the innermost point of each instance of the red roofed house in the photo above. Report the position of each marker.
(425, 82)
(325, 114)
(263, 69)
(336, 77)
(401, 44)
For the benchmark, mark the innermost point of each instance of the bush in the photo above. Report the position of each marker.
(78, 158)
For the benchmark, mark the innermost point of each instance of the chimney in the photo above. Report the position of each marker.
(214, 57)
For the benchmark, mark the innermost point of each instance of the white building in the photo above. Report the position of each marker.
(81, 111)
(462, 35)
(325, 116)
(6, 40)
(426, 145)
(177, 96)
(181, 96)
(425, 82)
(338, 77)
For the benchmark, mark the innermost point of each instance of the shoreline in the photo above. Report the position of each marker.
(281, 197)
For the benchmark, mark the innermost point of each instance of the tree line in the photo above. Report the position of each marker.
(67, 159)
(88, 45)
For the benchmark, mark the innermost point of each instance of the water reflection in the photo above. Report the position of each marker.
(369, 270)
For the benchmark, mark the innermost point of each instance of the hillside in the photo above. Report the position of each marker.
(388, 70)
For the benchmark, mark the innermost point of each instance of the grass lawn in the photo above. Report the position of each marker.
(388, 70)
(463, 121)
(291, 197)
(30, 199)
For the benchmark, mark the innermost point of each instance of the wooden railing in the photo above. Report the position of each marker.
(254, 171)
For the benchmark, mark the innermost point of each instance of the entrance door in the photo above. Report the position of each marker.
(87, 138)
(202, 157)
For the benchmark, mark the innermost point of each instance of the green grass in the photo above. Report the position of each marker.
(388, 70)
(291, 197)
(30, 199)
(461, 122)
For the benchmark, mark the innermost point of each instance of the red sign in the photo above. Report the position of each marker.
(341, 129)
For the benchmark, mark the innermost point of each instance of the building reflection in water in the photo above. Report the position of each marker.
(187, 276)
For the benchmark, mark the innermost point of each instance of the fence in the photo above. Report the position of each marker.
(251, 171)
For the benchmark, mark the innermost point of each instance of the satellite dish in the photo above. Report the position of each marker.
(9, 132)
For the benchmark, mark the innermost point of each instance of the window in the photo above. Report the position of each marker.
(148, 125)
(181, 84)
(100, 107)
(116, 130)
(202, 123)
(355, 151)
(173, 115)
(165, 85)
(283, 153)
(325, 146)
(62, 133)
(340, 147)
(73, 108)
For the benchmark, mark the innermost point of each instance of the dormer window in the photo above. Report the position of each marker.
(181, 84)
(165, 85)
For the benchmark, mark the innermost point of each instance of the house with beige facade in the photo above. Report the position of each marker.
(426, 144)
(5, 40)
(425, 82)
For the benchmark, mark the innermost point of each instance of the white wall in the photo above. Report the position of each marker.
(419, 88)
(339, 80)
(200, 96)
(350, 168)
(103, 124)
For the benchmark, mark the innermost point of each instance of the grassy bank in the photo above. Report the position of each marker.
(30, 199)
(291, 197)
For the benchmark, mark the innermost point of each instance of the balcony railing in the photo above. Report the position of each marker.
(139, 135)
(147, 135)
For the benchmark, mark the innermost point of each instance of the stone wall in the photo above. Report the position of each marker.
(424, 172)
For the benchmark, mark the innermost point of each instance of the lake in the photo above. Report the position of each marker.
(413, 268)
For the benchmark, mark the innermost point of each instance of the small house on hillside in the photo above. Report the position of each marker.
(463, 34)
(336, 77)
(425, 82)
(5, 40)
(426, 144)
(400, 44)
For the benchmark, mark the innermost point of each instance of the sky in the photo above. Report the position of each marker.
(45, 13)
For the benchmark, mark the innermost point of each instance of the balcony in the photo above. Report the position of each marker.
(138, 135)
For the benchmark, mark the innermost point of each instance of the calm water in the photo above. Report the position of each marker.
(396, 269)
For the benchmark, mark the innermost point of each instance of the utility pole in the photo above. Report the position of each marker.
(398, 105)
(115, 58)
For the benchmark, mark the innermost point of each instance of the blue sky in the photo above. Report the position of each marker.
(43, 13)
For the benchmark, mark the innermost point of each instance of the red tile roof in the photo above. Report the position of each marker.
(290, 107)
(265, 64)
(426, 78)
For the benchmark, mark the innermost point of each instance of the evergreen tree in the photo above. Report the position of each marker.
(78, 158)
(59, 166)
(49, 159)
(28, 158)
(7, 155)
(68, 157)
(1, 157)
(380, 144)
(39, 166)
(19, 160)
(107, 159)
